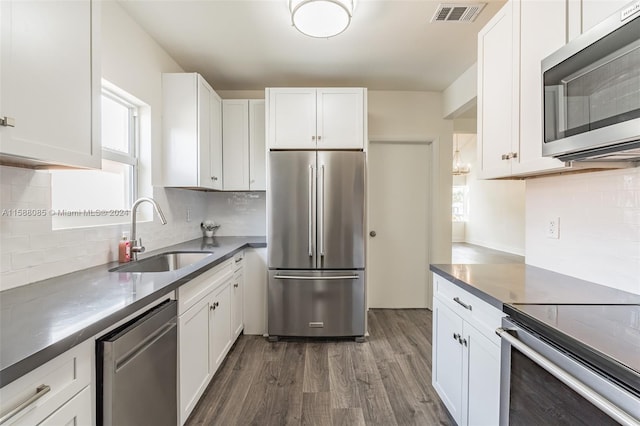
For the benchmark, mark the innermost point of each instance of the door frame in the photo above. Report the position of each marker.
(432, 193)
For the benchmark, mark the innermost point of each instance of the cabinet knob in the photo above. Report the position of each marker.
(514, 155)
(455, 336)
(319, 137)
(235, 285)
(313, 138)
(505, 156)
(7, 122)
(214, 177)
(212, 307)
(464, 342)
(372, 234)
(217, 304)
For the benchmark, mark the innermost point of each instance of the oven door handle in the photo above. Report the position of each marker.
(592, 396)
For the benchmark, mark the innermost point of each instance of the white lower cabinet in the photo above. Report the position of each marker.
(76, 412)
(204, 332)
(55, 386)
(237, 296)
(466, 356)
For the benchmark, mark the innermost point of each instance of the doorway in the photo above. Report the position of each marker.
(399, 194)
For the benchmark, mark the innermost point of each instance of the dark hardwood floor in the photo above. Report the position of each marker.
(384, 381)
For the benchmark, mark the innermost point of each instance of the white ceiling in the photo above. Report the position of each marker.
(250, 44)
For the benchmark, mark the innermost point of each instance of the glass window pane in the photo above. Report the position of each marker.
(115, 125)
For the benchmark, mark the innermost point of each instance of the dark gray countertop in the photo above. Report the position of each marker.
(500, 284)
(42, 320)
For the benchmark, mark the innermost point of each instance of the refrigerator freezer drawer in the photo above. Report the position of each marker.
(316, 303)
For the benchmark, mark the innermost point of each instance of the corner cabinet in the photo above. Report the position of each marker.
(324, 118)
(192, 132)
(50, 83)
(510, 49)
(243, 138)
(466, 354)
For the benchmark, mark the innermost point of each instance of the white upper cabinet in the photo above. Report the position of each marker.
(510, 49)
(257, 146)
(192, 132)
(235, 144)
(243, 145)
(50, 82)
(305, 118)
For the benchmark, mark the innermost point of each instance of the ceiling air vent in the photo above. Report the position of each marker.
(457, 12)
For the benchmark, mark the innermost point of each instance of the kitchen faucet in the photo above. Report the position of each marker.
(136, 245)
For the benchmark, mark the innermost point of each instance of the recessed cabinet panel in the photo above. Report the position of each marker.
(496, 114)
(340, 118)
(220, 331)
(235, 138)
(257, 146)
(292, 118)
(50, 79)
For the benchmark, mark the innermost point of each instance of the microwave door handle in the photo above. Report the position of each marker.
(592, 396)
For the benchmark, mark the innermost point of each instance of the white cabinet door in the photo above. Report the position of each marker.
(220, 331)
(483, 378)
(292, 118)
(50, 81)
(535, 45)
(76, 411)
(237, 304)
(235, 144)
(193, 351)
(192, 132)
(497, 89)
(216, 142)
(447, 358)
(596, 11)
(257, 146)
(340, 118)
(204, 133)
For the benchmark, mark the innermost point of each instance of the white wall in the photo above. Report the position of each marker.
(396, 115)
(496, 209)
(461, 94)
(599, 226)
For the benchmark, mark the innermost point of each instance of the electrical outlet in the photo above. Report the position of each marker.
(553, 228)
(188, 214)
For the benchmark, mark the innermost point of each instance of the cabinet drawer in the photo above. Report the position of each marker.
(477, 312)
(65, 375)
(199, 287)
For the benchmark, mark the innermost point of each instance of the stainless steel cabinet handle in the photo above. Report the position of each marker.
(41, 391)
(7, 122)
(297, 277)
(310, 210)
(461, 303)
(321, 212)
(595, 398)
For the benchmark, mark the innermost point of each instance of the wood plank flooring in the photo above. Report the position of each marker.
(384, 381)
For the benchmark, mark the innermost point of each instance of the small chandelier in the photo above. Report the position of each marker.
(321, 18)
(458, 169)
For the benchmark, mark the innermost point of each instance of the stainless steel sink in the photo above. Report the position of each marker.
(163, 262)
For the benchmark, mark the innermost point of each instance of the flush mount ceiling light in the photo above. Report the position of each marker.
(321, 18)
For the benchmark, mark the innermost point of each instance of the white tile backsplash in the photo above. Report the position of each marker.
(31, 251)
(599, 226)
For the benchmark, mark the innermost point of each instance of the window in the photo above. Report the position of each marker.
(460, 207)
(98, 197)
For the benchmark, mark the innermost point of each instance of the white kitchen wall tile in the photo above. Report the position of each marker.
(5, 262)
(13, 279)
(599, 226)
(13, 243)
(22, 260)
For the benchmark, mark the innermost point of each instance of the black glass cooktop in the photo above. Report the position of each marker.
(607, 337)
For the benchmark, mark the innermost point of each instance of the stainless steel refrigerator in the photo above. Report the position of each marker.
(315, 203)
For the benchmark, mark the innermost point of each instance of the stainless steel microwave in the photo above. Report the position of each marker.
(591, 93)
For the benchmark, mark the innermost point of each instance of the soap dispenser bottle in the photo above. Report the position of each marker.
(124, 249)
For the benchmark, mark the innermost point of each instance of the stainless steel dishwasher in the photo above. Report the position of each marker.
(137, 370)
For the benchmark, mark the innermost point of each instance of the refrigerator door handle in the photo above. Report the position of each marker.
(309, 278)
(321, 213)
(310, 210)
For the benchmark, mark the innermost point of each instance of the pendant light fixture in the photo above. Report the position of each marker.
(457, 168)
(321, 18)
